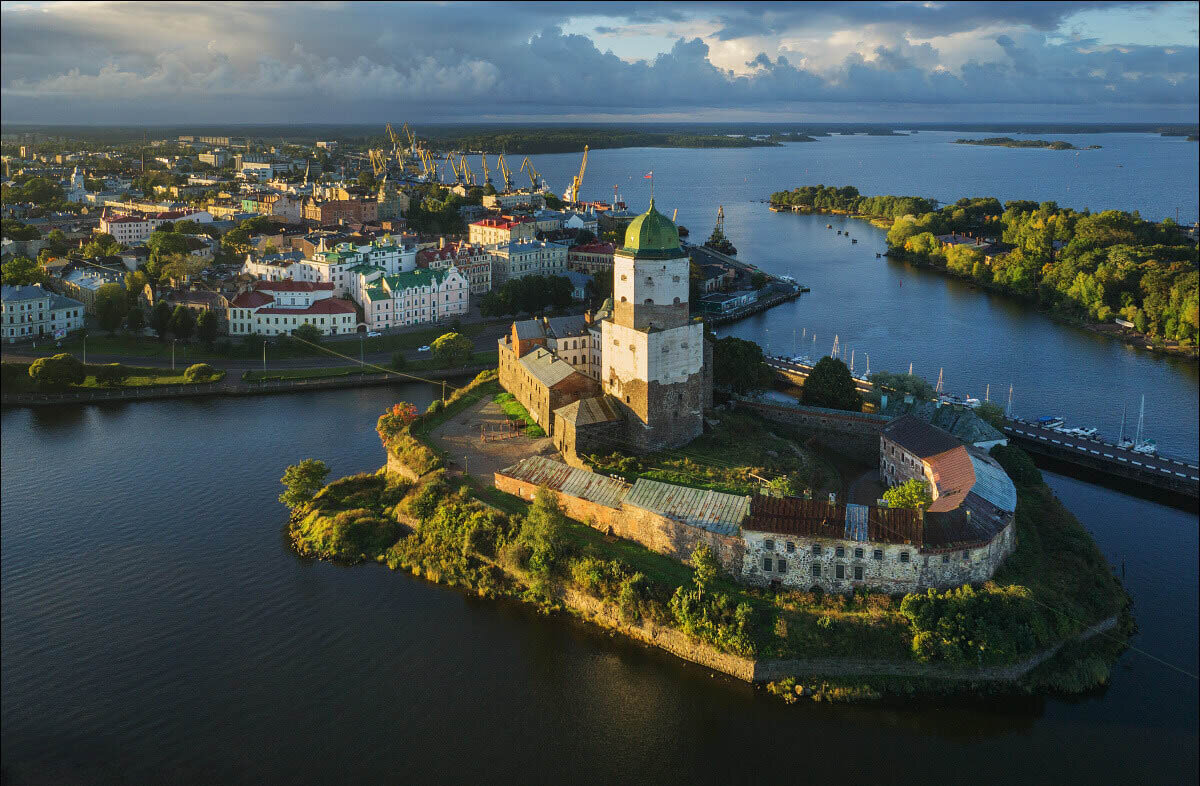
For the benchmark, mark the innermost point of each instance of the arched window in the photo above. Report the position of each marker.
(677, 301)
(649, 301)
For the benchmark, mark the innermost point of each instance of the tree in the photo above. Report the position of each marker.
(135, 286)
(135, 320)
(302, 482)
(758, 279)
(584, 236)
(57, 371)
(56, 243)
(831, 386)
(308, 333)
(22, 270)
(206, 327)
(705, 568)
(453, 349)
(199, 372)
(542, 531)
(182, 323)
(160, 318)
(992, 413)
(739, 365)
(110, 374)
(398, 361)
(111, 306)
(912, 494)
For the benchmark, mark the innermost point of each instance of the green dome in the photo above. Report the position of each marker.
(652, 235)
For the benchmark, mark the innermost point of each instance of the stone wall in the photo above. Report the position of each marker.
(396, 467)
(655, 532)
(852, 434)
(885, 567)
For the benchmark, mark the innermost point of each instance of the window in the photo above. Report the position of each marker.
(816, 549)
(858, 573)
(858, 553)
(781, 566)
(945, 558)
(767, 563)
(791, 547)
(769, 544)
(966, 554)
(816, 569)
(841, 551)
(904, 556)
(878, 555)
(840, 571)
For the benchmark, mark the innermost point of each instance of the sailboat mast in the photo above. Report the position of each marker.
(1008, 413)
(1141, 421)
(987, 392)
(1121, 439)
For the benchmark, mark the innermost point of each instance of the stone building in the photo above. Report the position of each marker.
(541, 381)
(647, 358)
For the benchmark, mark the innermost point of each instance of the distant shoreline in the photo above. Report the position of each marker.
(1007, 141)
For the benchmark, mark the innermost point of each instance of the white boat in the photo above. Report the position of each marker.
(972, 402)
(1147, 448)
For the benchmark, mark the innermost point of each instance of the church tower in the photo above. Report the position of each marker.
(652, 354)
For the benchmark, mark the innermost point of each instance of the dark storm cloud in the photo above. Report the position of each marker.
(334, 62)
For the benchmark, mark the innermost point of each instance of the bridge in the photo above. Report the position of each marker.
(1088, 457)
(1097, 455)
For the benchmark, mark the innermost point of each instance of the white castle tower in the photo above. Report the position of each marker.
(652, 354)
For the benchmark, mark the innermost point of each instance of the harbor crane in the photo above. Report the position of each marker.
(572, 194)
(534, 177)
(487, 175)
(378, 162)
(467, 174)
(505, 173)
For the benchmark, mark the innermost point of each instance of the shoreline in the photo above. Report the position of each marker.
(1129, 337)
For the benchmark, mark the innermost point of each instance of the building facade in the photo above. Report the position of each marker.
(504, 229)
(526, 258)
(417, 297)
(474, 262)
(274, 308)
(594, 259)
(31, 312)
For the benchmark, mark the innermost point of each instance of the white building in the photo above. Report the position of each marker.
(137, 227)
(530, 258)
(416, 297)
(275, 308)
(29, 312)
(333, 266)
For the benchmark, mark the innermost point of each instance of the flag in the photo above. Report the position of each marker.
(649, 174)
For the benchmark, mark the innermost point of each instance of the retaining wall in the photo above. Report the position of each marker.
(851, 434)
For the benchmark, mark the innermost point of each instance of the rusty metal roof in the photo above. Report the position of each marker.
(557, 476)
(815, 518)
(710, 510)
(918, 437)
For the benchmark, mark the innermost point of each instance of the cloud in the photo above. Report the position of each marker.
(269, 62)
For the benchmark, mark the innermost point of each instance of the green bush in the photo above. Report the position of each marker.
(57, 371)
(110, 374)
(435, 406)
(1017, 464)
(199, 372)
(966, 626)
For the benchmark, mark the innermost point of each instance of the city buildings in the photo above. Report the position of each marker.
(31, 312)
(275, 308)
(472, 261)
(527, 258)
(416, 297)
(502, 229)
(135, 227)
(595, 259)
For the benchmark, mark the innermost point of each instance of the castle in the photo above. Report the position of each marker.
(636, 376)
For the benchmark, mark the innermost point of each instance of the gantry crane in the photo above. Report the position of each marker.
(572, 194)
(378, 162)
(534, 177)
(487, 175)
(505, 173)
(465, 168)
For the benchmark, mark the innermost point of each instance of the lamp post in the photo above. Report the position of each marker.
(173, 354)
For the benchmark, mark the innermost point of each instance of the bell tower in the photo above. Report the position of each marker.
(652, 354)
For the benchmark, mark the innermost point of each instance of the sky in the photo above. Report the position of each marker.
(331, 62)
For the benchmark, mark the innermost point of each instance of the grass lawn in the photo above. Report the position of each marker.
(729, 458)
(17, 380)
(515, 411)
(307, 373)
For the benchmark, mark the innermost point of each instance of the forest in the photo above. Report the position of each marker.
(572, 140)
(1095, 267)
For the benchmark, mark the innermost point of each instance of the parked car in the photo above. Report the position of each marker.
(373, 334)
(423, 349)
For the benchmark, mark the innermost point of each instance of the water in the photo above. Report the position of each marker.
(156, 628)
(898, 314)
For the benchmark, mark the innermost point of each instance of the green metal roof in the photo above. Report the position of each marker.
(652, 235)
(421, 277)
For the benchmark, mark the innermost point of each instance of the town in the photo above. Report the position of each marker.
(241, 238)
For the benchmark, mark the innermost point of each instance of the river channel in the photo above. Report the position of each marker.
(156, 628)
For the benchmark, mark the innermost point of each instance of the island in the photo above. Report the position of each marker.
(1004, 141)
(1113, 272)
(667, 503)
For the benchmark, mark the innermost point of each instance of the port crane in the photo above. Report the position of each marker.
(487, 175)
(505, 173)
(378, 162)
(534, 177)
(572, 194)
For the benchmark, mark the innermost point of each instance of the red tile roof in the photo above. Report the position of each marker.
(596, 248)
(503, 223)
(294, 286)
(331, 305)
(251, 299)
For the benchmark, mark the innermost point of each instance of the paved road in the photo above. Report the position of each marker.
(1107, 451)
